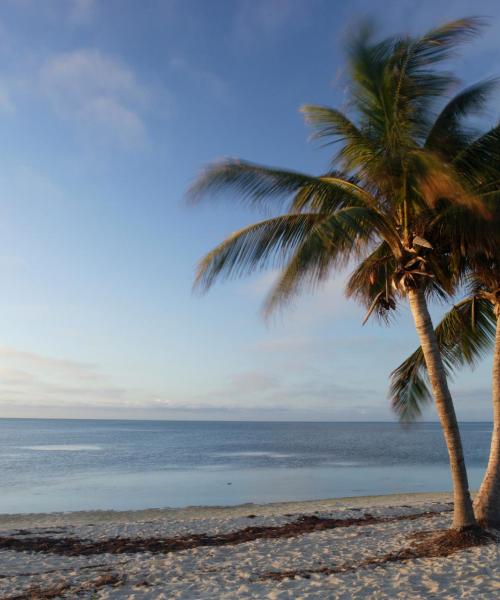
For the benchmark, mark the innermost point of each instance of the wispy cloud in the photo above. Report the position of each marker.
(59, 366)
(29, 378)
(98, 93)
(203, 79)
(33, 383)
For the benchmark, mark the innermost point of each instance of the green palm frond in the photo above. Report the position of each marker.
(264, 244)
(309, 266)
(441, 43)
(262, 186)
(330, 244)
(370, 282)
(271, 243)
(414, 59)
(448, 134)
(464, 335)
(480, 159)
(356, 147)
(417, 83)
(331, 123)
(395, 80)
(252, 183)
(368, 62)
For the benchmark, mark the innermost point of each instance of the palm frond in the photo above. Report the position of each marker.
(271, 188)
(464, 335)
(441, 43)
(480, 159)
(310, 265)
(331, 123)
(448, 134)
(264, 244)
(252, 183)
(370, 283)
(418, 82)
(331, 244)
(271, 243)
(435, 180)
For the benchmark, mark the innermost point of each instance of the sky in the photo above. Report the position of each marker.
(108, 110)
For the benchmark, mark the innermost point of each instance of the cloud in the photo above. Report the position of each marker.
(29, 378)
(36, 361)
(96, 92)
(203, 79)
(253, 381)
(33, 384)
(15, 377)
(306, 389)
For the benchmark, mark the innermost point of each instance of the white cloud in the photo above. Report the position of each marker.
(97, 92)
(107, 113)
(29, 378)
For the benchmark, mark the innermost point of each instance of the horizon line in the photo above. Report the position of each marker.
(226, 420)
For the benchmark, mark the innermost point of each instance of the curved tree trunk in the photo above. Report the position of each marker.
(487, 501)
(463, 515)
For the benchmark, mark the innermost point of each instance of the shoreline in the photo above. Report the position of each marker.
(193, 512)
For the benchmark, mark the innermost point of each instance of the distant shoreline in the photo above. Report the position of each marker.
(114, 419)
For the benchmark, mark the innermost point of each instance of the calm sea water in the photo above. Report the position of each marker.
(62, 465)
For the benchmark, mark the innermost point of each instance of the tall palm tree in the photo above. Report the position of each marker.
(464, 335)
(471, 327)
(389, 190)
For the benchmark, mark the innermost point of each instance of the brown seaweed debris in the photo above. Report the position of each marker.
(82, 547)
(428, 544)
(56, 591)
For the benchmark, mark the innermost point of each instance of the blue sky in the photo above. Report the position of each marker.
(108, 109)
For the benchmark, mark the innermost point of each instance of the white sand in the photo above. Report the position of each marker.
(235, 571)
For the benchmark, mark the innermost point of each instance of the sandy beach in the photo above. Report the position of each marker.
(343, 548)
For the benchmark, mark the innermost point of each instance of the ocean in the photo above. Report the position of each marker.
(51, 465)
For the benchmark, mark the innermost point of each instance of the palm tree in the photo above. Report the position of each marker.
(487, 501)
(471, 327)
(389, 191)
(464, 335)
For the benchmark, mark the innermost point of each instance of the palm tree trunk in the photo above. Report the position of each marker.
(463, 515)
(487, 501)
